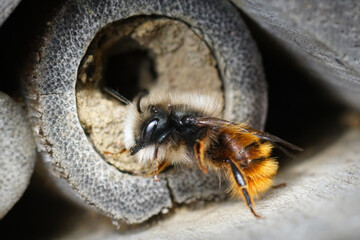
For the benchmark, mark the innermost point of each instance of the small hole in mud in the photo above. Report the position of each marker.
(129, 71)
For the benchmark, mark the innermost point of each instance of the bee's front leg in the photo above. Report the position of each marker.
(155, 163)
(118, 154)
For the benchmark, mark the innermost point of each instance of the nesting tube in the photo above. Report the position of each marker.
(70, 65)
(17, 153)
(6, 8)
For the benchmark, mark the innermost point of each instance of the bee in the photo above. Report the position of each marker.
(184, 128)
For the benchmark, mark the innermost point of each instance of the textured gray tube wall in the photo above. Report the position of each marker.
(17, 153)
(51, 98)
(321, 35)
(6, 8)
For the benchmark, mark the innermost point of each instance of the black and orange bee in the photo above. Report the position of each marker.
(183, 128)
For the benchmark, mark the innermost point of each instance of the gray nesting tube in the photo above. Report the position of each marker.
(322, 36)
(50, 94)
(6, 8)
(17, 153)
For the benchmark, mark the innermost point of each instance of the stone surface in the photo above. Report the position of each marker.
(51, 97)
(322, 36)
(17, 153)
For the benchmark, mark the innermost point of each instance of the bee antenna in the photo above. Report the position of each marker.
(117, 95)
(142, 94)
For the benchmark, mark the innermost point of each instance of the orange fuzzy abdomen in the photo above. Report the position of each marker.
(259, 176)
(252, 157)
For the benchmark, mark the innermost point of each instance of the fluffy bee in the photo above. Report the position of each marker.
(180, 128)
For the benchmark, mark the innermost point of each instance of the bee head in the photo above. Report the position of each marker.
(154, 130)
(166, 118)
(160, 124)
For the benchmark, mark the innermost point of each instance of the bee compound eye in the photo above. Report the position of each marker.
(150, 129)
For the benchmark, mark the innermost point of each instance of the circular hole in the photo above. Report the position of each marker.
(150, 53)
(129, 69)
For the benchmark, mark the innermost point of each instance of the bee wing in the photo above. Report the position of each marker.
(272, 138)
(219, 123)
(211, 122)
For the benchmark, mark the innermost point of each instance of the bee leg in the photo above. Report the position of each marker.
(155, 164)
(124, 150)
(199, 150)
(163, 165)
(242, 184)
